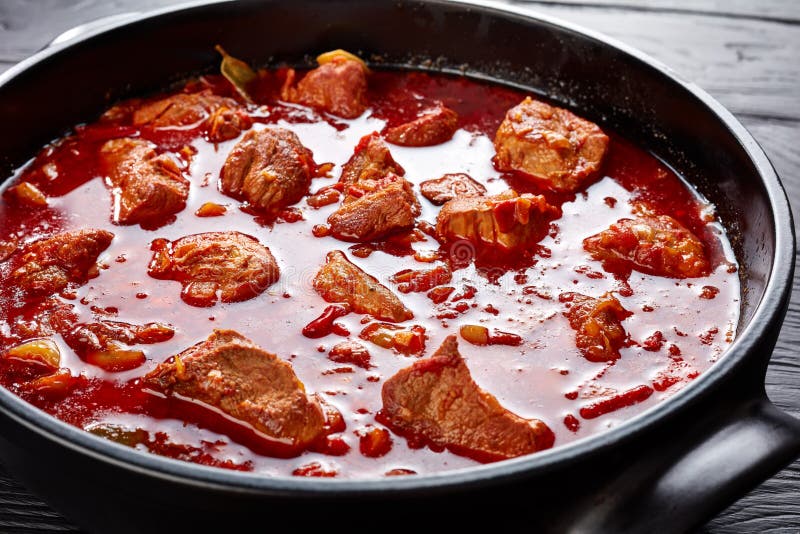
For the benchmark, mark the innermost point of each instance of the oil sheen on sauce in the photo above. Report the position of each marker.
(546, 377)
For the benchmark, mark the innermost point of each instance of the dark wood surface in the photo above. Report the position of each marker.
(744, 52)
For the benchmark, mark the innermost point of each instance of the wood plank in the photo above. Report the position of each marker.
(24, 30)
(751, 66)
(779, 139)
(770, 509)
(773, 507)
(776, 10)
(21, 511)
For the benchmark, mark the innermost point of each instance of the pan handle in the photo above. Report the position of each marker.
(680, 490)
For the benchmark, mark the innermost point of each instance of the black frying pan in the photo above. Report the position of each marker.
(668, 469)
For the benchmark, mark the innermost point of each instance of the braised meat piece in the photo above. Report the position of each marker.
(105, 343)
(270, 169)
(26, 194)
(378, 200)
(388, 206)
(229, 373)
(338, 86)
(655, 245)
(433, 127)
(411, 281)
(351, 352)
(550, 144)
(340, 281)
(436, 402)
(222, 118)
(179, 110)
(101, 335)
(451, 186)
(146, 188)
(45, 318)
(371, 160)
(597, 323)
(228, 266)
(8, 247)
(102, 342)
(49, 265)
(504, 223)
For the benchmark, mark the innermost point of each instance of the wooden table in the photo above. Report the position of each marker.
(746, 53)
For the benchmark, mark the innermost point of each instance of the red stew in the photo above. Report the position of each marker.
(354, 273)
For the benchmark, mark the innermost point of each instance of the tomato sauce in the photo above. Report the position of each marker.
(677, 327)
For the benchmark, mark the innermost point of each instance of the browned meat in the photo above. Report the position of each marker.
(451, 186)
(656, 245)
(34, 355)
(178, 110)
(104, 343)
(27, 194)
(550, 144)
(228, 373)
(350, 352)
(389, 207)
(436, 402)
(86, 338)
(371, 160)
(504, 223)
(8, 247)
(45, 318)
(343, 282)
(338, 87)
(409, 281)
(324, 197)
(270, 169)
(215, 265)
(147, 188)
(597, 323)
(433, 127)
(222, 118)
(378, 200)
(121, 111)
(49, 265)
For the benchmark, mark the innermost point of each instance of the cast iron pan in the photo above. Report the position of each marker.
(668, 470)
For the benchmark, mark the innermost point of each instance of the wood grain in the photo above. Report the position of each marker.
(22, 512)
(775, 10)
(751, 66)
(28, 25)
(745, 53)
(732, 58)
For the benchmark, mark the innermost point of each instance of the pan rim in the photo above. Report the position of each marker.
(745, 347)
